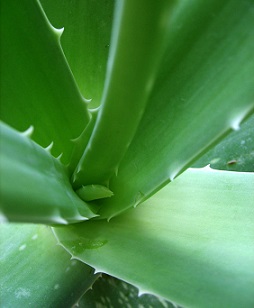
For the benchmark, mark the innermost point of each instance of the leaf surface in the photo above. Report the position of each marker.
(36, 272)
(192, 242)
(111, 292)
(203, 91)
(37, 86)
(235, 152)
(137, 45)
(34, 186)
(85, 41)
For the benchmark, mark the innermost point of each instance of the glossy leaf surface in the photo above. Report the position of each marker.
(194, 238)
(35, 272)
(37, 87)
(85, 41)
(192, 242)
(235, 152)
(137, 46)
(34, 186)
(204, 90)
(108, 291)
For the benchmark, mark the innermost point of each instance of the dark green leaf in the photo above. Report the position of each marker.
(235, 152)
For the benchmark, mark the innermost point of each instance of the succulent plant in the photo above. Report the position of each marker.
(115, 118)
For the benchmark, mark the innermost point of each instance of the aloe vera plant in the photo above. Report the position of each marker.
(101, 122)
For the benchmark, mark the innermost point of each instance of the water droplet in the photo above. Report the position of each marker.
(79, 245)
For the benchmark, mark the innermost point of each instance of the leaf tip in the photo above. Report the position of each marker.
(94, 192)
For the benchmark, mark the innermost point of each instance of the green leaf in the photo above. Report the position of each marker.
(93, 192)
(34, 186)
(111, 292)
(37, 87)
(35, 272)
(235, 152)
(85, 41)
(204, 90)
(137, 45)
(192, 242)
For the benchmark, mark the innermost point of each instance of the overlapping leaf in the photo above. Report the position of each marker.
(36, 272)
(203, 91)
(111, 292)
(137, 46)
(85, 41)
(197, 248)
(37, 87)
(34, 186)
(235, 152)
(192, 242)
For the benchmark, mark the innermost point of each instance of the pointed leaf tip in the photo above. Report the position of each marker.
(94, 192)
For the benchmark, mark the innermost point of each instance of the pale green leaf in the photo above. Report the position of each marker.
(34, 186)
(35, 272)
(192, 242)
(204, 89)
(93, 192)
(137, 46)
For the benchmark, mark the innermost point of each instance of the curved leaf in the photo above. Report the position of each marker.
(137, 45)
(36, 272)
(204, 90)
(192, 242)
(37, 87)
(34, 186)
(235, 152)
(85, 41)
(111, 292)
